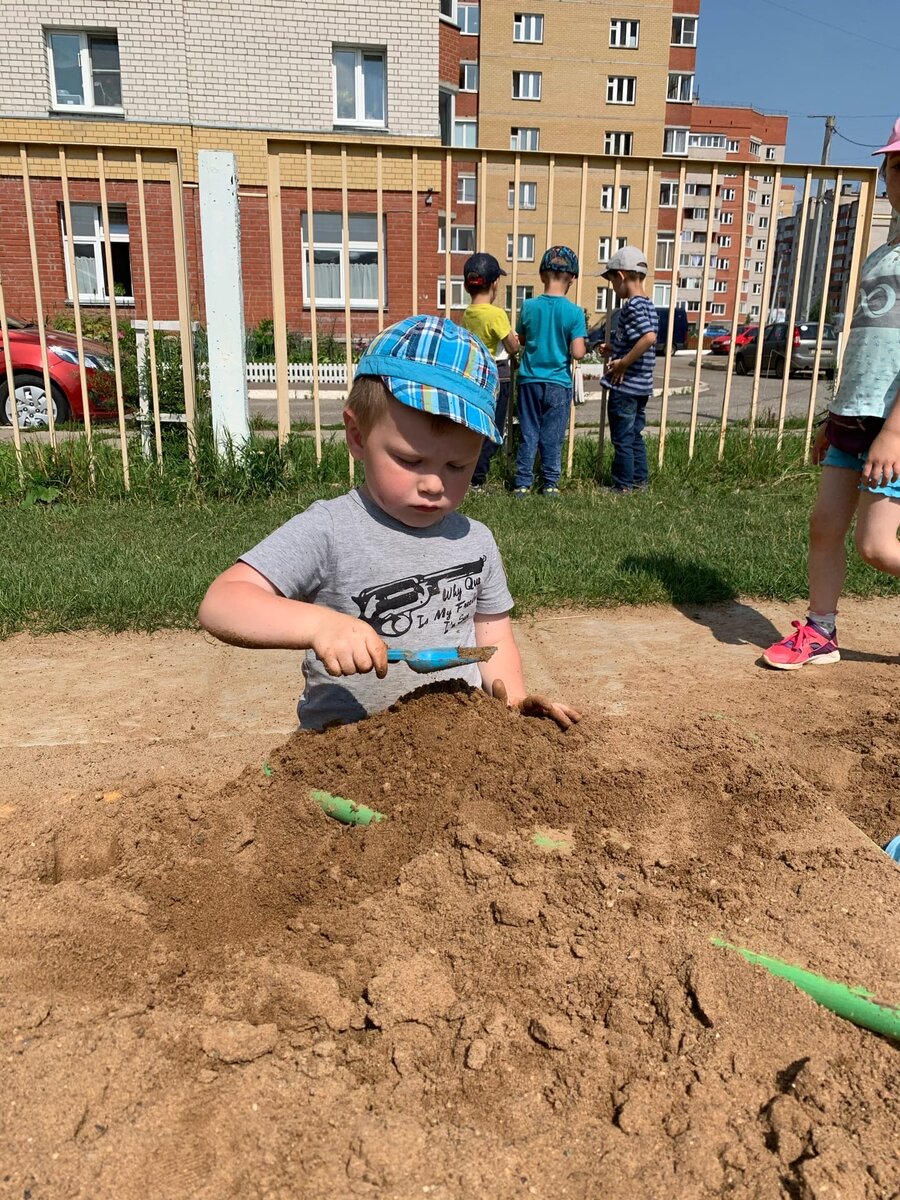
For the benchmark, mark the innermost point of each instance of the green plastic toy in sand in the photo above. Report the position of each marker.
(347, 811)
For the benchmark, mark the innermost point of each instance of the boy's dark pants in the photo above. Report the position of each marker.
(627, 418)
(489, 448)
(543, 417)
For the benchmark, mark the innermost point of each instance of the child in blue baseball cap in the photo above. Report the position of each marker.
(391, 561)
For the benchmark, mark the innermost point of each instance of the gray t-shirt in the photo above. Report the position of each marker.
(417, 588)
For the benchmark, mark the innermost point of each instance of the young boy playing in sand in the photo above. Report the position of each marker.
(552, 331)
(629, 371)
(485, 318)
(392, 560)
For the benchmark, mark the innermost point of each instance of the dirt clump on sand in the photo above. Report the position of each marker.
(231, 994)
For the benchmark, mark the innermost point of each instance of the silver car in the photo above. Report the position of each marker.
(799, 350)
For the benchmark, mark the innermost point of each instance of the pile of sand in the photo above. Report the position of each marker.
(233, 995)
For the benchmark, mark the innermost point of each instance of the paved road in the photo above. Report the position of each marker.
(709, 407)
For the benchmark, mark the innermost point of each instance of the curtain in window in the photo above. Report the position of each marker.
(363, 275)
(86, 271)
(328, 274)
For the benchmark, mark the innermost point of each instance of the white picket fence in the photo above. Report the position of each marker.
(330, 374)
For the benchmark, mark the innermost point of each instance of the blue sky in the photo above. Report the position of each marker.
(806, 56)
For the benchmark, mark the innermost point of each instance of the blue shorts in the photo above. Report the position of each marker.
(856, 462)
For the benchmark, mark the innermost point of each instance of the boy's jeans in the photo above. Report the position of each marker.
(489, 448)
(543, 417)
(627, 418)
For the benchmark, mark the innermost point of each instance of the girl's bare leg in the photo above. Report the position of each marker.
(828, 525)
(876, 532)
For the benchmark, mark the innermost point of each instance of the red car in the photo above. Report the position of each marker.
(62, 355)
(746, 333)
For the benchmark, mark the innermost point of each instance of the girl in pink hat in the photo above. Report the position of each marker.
(858, 448)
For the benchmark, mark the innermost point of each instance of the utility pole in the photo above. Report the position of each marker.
(810, 273)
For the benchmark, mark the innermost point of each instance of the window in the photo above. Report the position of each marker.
(764, 222)
(726, 218)
(691, 284)
(617, 143)
(684, 31)
(621, 89)
(662, 294)
(761, 243)
(757, 289)
(720, 285)
(606, 197)
(759, 265)
(468, 76)
(526, 247)
(693, 306)
(746, 264)
(604, 248)
(446, 112)
(668, 195)
(723, 264)
(84, 70)
(730, 193)
(624, 35)
(692, 260)
(601, 304)
(734, 146)
(458, 296)
(523, 138)
(328, 258)
(524, 291)
(766, 199)
(754, 311)
(526, 85)
(724, 240)
(675, 141)
(770, 156)
(359, 86)
(681, 87)
(768, 178)
(527, 195)
(755, 147)
(707, 141)
(717, 310)
(696, 214)
(528, 27)
(90, 254)
(462, 238)
(467, 16)
(448, 9)
(665, 251)
(465, 132)
(466, 189)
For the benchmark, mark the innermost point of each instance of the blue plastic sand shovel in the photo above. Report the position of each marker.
(441, 658)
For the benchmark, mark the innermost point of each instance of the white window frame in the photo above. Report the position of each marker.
(665, 242)
(516, 137)
(468, 15)
(528, 83)
(692, 306)
(662, 295)
(706, 141)
(756, 289)
(468, 70)
(734, 146)
(770, 156)
(621, 89)
(725, 218)
(527, 195)
(624, 33)
(96, 242)
(463, 181)
(604, 247)
(464, 123)
(730, 193)
(672, 193)
(717, 310)
(761, 243)
(618, 143)
(755, 147)
(451, 14)
(84, 61)
(524, 291)
(763, 222)
(526, 247)
(765, 199)
(723, 264)
(681, 39)
(606, 197)
(359, 98)
(675, 136)
(720, 285)
(458, 295)
(679, 78)
(528, 27)
(601, 302)
(352, 244)
(759, 265)
(456, 233)
(723, 240)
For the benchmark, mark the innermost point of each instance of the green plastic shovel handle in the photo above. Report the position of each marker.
(347, 811)
(850, 1003)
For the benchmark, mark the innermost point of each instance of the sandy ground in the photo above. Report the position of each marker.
(210, 989)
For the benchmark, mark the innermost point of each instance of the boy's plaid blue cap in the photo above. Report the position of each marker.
(431, 364)
(560, 258)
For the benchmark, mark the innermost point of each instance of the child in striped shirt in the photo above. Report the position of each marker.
(629, 371)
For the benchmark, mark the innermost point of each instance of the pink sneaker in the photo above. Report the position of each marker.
(808, 645)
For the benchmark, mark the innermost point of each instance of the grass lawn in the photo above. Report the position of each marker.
(705, 532)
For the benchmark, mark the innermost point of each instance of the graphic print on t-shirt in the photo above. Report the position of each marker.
(392, 609)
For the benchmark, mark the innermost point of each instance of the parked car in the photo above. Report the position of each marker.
(713, 330)
(798, 351)
(597, 335)
(62, 354)
(721, 345)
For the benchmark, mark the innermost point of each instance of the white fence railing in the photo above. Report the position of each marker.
(334, 374)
